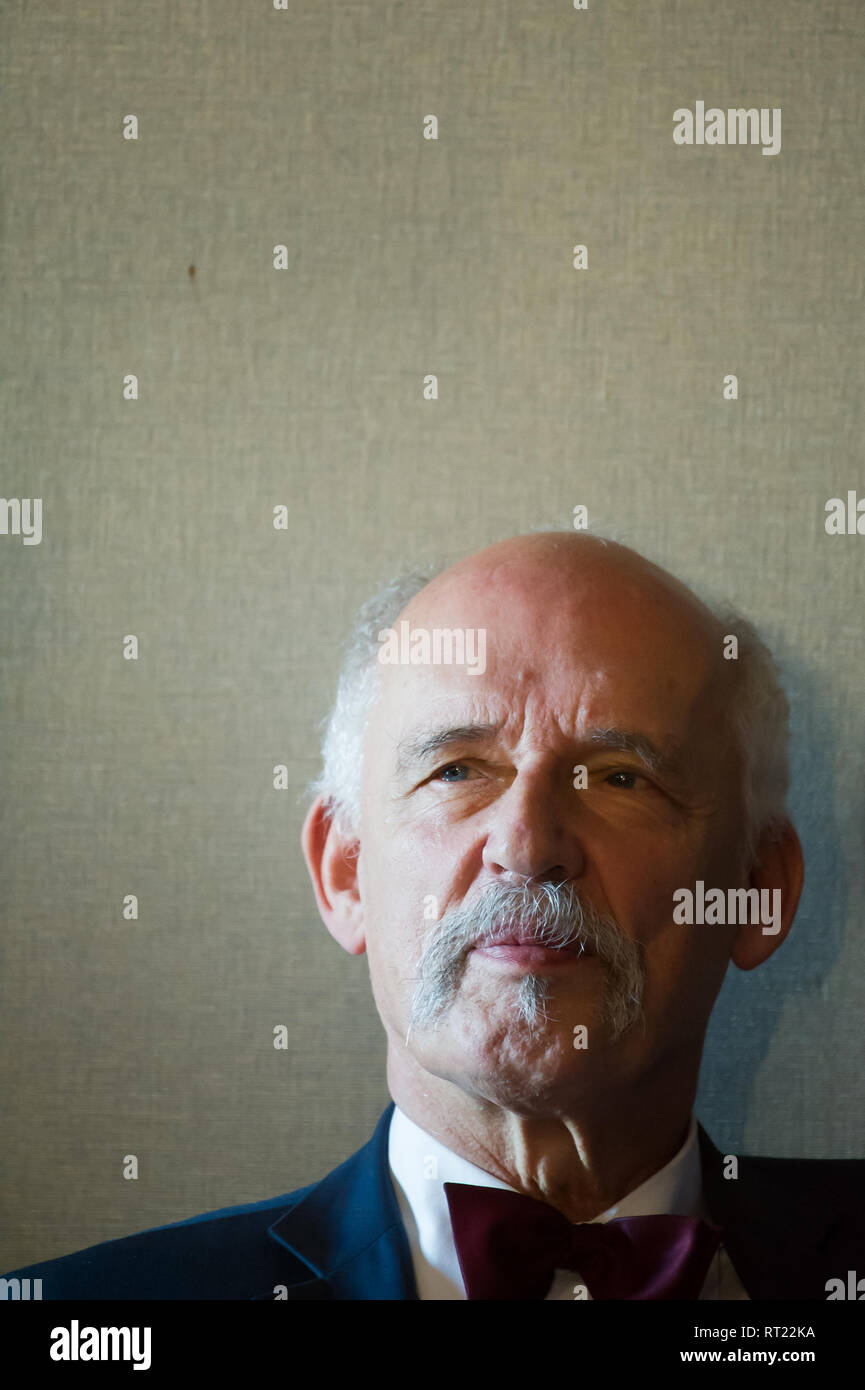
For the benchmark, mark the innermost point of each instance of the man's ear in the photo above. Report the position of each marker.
(779, 865)
(331, 858)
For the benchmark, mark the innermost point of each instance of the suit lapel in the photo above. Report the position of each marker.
(784, 1238)
(348, 1231)
(780, 1233)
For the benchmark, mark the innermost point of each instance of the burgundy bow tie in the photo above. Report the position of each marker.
(509, 1246)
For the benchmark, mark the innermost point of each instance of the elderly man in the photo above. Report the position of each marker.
(532, 760)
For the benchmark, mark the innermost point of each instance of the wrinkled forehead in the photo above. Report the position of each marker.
(571, 652)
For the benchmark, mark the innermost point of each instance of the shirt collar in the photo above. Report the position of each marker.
(420, 1165)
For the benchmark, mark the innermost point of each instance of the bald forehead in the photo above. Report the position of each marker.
(576, 636)
(565, 577)
(583, 643)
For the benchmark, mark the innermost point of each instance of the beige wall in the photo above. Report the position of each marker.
(304, 387)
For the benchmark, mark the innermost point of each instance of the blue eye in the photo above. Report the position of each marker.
(453, 767)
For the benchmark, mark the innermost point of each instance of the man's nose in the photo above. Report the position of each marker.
(533, 830)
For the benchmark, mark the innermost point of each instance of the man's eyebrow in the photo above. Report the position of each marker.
(627, 741)
(416, 748)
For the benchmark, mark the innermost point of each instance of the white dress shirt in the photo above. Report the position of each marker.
(420, 1165)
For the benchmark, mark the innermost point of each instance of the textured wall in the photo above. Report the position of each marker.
(303, 387)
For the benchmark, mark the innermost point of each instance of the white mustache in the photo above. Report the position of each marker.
(544, 914)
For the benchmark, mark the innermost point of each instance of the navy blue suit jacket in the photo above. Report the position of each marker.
(789, 1226)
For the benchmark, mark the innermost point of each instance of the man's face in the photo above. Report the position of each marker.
(468, 782)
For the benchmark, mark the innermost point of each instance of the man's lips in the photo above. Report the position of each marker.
(525, 951)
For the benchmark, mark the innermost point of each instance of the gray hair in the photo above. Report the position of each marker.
(549, 914)
(757, 716)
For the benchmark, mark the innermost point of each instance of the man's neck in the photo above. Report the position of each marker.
(581, 1160)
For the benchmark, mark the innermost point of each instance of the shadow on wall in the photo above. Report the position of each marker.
(748, 1010)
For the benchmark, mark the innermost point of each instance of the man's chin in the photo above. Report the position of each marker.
(491, 1044)
(532, 1080)
(500, 993)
